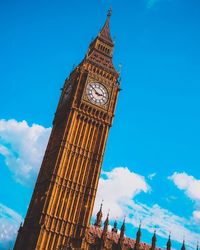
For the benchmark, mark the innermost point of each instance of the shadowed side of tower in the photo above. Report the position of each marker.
(62, 202)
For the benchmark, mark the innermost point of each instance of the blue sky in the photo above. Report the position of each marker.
(154, 144)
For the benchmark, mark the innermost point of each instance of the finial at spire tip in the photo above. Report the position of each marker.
(109, 12)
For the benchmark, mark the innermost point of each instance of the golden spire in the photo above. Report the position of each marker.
(104, 34)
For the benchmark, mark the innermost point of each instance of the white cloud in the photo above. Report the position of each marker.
(196, 215)
(4, 151)
(188, 184)
(119, 187)
(165, 222)
(9, 224)
(191, 187)
(23, 147)
(151, 176)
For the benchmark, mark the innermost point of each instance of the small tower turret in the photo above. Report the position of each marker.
(99, 217)
(104, 232)
(169, 244)
(183, 246)
(105, 228)
(138, 237)
(122, 233)
(154, 239)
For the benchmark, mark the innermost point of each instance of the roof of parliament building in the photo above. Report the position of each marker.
(116, 239)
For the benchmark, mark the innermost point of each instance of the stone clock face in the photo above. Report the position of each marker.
(97, 93)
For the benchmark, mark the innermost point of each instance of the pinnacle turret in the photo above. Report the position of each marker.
(169, 244)
(183, 246)
(122, 233)
(99, 217)
(138, 237)
(104, 232)
(106, 224)
(154, 239)
(123, 228)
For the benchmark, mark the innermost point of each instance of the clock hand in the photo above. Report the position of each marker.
(93, 88)
(97, 93)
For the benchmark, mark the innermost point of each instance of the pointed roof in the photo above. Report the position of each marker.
(106, 223)
(138, 235)
(169, 244)
(105, 230)
(104, 34)
(100, 52)
(153, 244)
(183, 246)
(139, 232)
(121, 236)
(123, 227)
(99, 217)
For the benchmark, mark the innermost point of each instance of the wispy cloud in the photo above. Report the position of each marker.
(9, 224)
(165, 222)
(191, 187)
(151, 176)
(119, 188)
(196, 215)
(23, 147)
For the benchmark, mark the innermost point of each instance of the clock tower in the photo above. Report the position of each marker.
(62, 202)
